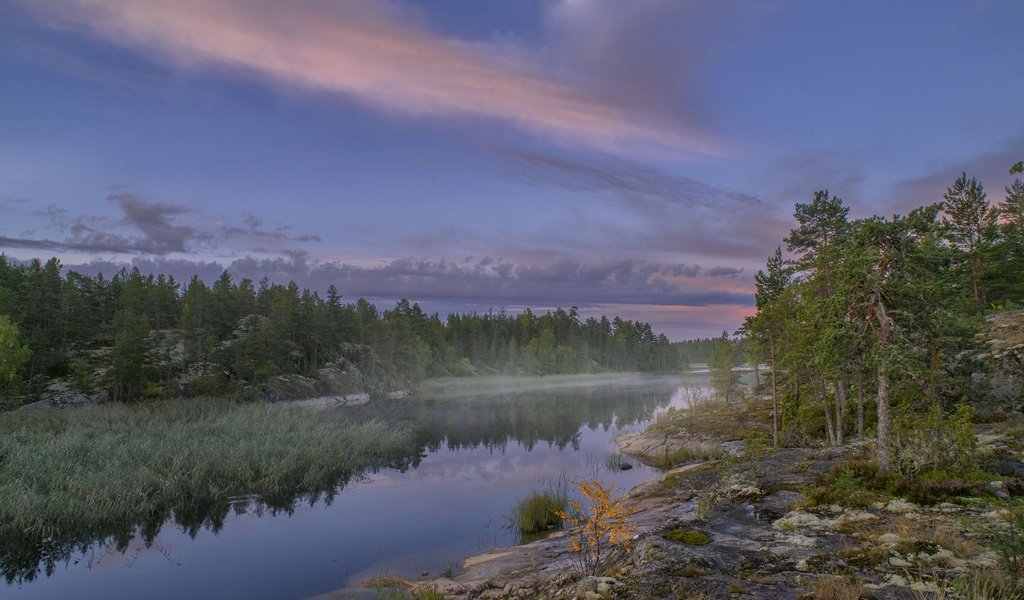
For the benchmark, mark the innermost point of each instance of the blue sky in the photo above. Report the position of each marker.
(631, 157)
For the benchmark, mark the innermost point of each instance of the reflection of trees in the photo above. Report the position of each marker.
(26, 554)
(495, 421)
(553, 417)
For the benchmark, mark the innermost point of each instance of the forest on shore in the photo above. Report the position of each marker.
(134, 337)
(870, 326)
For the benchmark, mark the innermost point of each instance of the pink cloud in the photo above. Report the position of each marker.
(380, 53)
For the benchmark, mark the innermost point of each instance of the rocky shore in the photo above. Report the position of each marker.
(753, 524)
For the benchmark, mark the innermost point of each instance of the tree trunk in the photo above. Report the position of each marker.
(828, 422)
(775, 397)
(884, 421)
(860, 405)
(829, 428)
(840, 409)
(885, 331)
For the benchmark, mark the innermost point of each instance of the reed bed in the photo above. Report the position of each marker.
(538, 511)
(70, 475)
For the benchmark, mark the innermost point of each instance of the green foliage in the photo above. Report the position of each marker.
(145, 330)
(755, 444)
(724, 379)
(859, 484)
(932, 442)
(882, 313)
(13, 355)
(688, 536)
(1010, 544)
(539, 511)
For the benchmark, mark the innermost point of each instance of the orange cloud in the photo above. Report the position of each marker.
(378, 53)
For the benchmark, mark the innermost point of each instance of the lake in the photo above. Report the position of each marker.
(482, 450)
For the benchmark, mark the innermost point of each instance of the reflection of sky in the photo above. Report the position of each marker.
(452, 505)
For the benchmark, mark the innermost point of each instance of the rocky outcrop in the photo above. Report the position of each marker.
(1003, 356)
(743, 526)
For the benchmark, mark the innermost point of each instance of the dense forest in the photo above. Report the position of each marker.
(869, 325)
(132, 337)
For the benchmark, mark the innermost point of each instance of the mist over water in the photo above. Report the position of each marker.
(485, 444)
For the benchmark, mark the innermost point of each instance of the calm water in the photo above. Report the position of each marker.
(481, 453)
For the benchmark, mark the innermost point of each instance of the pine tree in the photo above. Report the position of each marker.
(970, 224)
(724, 379)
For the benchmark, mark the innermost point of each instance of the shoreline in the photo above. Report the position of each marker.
(748, 526)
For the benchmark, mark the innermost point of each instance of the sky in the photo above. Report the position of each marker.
(638, 158)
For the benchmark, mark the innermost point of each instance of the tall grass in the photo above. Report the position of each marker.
(72, 477)
(537, 512)
(692, 452)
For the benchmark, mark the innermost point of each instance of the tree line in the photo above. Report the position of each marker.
(142, 336)
(868, 324)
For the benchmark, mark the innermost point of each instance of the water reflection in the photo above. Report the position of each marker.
(478, 453)
(24, 555)
(528, 418)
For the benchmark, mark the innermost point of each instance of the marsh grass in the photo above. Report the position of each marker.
(692, 452)
(538, 511)
(616, 462)
(71, 478)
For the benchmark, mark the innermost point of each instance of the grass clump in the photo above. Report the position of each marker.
(71, 478)
(539, 511)
(688, 536)
(837, 588)
(690, 571)
(695, 452)
(428, 594)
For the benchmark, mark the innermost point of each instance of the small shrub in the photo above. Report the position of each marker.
(932, 442)
(600, 526)
(756, 444)
(153, 391)
(858, 484)
(1011, 545)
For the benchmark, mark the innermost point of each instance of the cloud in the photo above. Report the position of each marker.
(629, 182)
(154, 228)
(153, 220)
(723, 272)
(991, 168)
(151, 223)
(486, 281)
(383, 54)
(252, 236)
(12, 203)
